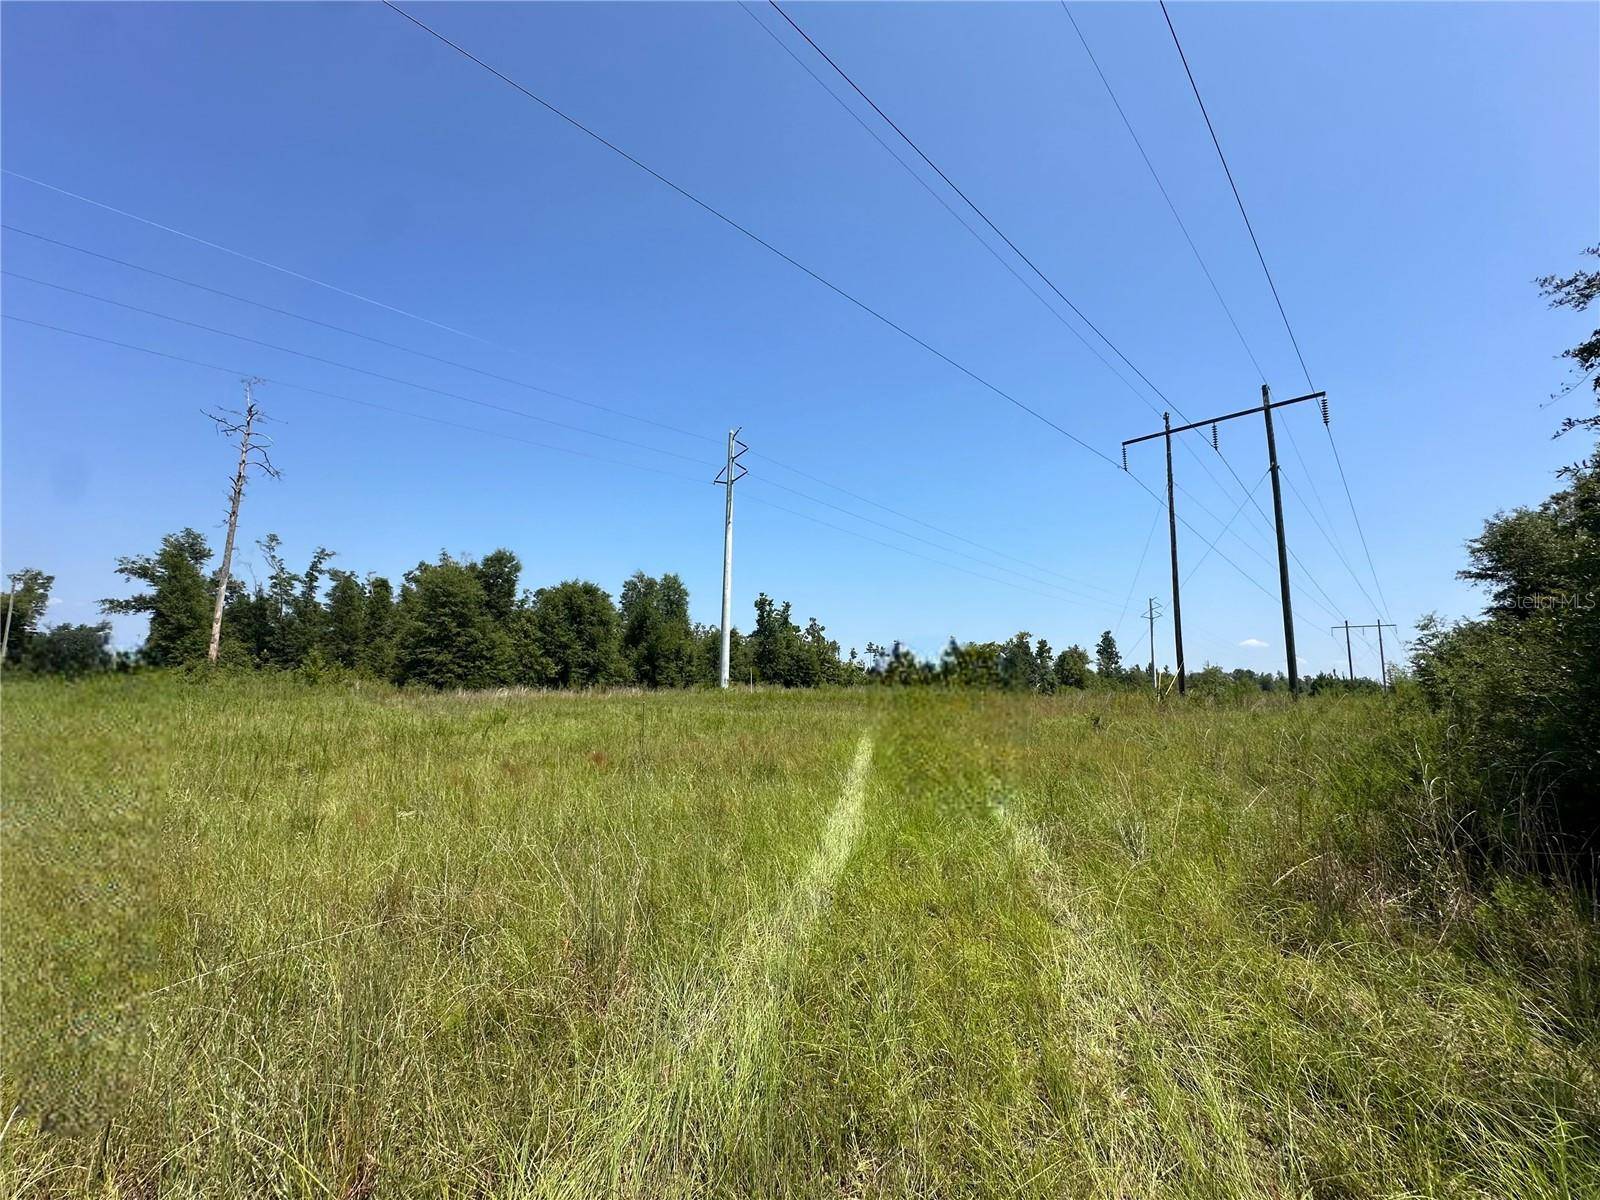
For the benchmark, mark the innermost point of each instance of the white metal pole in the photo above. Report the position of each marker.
(727, 561)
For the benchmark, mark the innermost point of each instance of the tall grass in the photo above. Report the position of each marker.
(267, 940)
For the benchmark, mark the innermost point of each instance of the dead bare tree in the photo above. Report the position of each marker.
(252, 453)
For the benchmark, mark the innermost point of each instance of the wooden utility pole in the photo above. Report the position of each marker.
(5, 637)
(1166, 432)
(730, 474)
(1349, 655)
(1283, 546)
(242, 426)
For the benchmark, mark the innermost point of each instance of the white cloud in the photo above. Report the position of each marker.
(1253, 644)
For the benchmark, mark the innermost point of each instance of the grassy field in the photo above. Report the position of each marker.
(267, 940)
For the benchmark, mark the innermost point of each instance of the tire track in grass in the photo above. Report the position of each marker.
(674, 1107)
(1150, 1100)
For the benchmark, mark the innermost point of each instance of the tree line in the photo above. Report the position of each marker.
(468, 623)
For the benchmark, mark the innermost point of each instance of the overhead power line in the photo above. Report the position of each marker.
(749, 233)
(1047, 280)
(492, 433)
(344, 366)
(509, 380)
(260, 262)
(1238, 199)
(316, 391)
(771, 248)
(1165, 195)
(355, 333)
(1277, 299)
(970, 203)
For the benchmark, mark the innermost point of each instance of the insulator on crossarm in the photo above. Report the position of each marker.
(1324, 402)
(1124, 458)
(1213, 435)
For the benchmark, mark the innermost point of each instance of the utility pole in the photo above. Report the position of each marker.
(1150, 614)
(730, 474)
(242, 426)
(1349, 656)
(11, 603)
(1283, 546)
(1172, 538)
(1166, 431)
(1383, 660)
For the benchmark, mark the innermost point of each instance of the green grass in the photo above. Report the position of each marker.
(267, 940)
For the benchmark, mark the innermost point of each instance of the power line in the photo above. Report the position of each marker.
(1155, 520)
(1066, 593)
(995, 254)
(939, 171)
(1277, 299)
(1165, 195)
(794, 512)
(260, 262)
(498, 378)
(355, 333)
(315, 391)
(760, 241)
(904, 516)
(1260, 257)
(379, 375)
(1019, 253)
(751, 234)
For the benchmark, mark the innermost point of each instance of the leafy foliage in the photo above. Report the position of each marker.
(178, 601)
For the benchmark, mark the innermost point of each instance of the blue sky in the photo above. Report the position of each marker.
(1409, 169)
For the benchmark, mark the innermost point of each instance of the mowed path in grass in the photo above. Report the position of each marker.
(268, 940)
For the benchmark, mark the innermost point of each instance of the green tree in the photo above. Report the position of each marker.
(1108, 659)
(1018, 665)
(71, 650)
(498, 572)
(445, 636)
(378, 654)
(820, 656)
(1577, 291)
(346, 625)
(575, 627)
(968, 664)
(1072, 668)
(26, 601)
(776, 647)
(179, 599)
(657, 639)
(1520, 682)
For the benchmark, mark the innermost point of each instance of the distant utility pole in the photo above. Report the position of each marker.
(1349, 655)
(243, 426)
(1267, 405)
(11, 604)
(730, 474)
(1383, 660)
(1150, 614)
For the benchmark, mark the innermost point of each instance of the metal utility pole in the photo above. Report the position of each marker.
(1267, 405)
(1172, 538)
(730, 474)
(1150, 614)
(1383, 659)
(242, 426)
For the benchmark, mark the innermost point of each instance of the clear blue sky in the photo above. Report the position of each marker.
(1409, 169)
